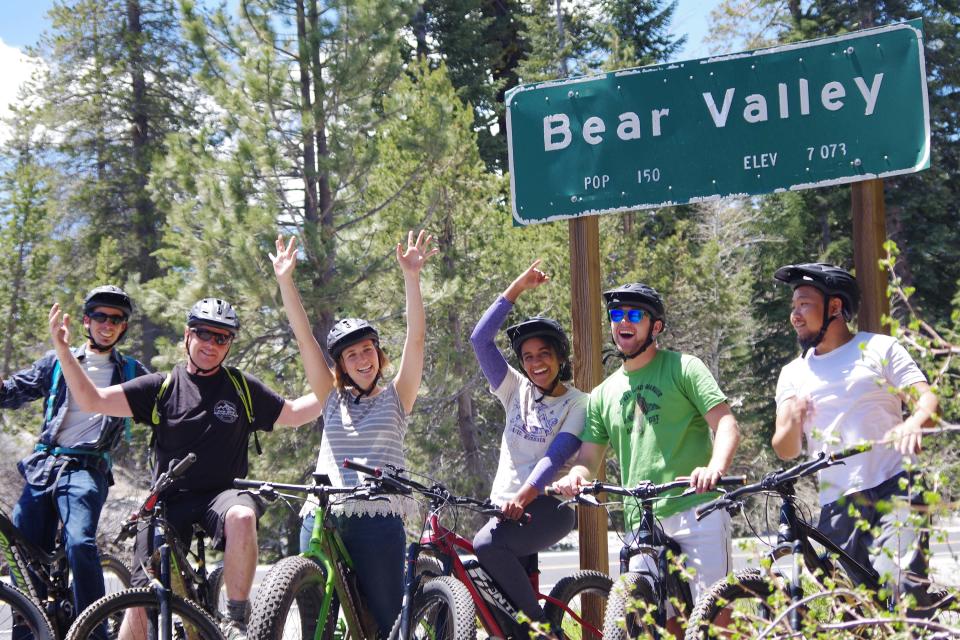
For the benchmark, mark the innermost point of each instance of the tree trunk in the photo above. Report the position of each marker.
(146, 224)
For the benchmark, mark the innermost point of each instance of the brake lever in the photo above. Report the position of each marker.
(266, 491)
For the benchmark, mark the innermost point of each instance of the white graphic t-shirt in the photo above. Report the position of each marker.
(530, 428)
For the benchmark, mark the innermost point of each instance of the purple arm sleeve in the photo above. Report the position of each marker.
(492, 362)
(559, 451)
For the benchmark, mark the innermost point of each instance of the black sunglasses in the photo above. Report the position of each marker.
(204, 335)
(101, 317)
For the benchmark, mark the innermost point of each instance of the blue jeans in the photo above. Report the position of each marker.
(376, 545)
(79, 496)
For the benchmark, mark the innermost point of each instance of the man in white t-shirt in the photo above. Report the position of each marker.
(848, 390)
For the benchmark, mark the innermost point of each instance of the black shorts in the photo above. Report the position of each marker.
(184, 510)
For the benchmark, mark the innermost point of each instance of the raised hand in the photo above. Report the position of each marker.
(59, 330)
(286, 257)
(529, 279)
(417, 253)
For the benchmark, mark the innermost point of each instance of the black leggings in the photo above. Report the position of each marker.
(502, 544)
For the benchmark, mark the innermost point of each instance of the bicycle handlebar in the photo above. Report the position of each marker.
(394, 477)
(775, 480)
(648, 490)
(176, 470)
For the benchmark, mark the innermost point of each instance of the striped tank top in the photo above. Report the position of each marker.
(370, 432)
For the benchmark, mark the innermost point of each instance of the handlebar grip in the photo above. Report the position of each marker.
(732, 481)
(850, 451)
(550, 491)
(181, 467)
(376, 472)
(241, 483)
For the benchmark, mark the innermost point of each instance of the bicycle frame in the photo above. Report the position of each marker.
(493, 608)
(327, 549)
(27, 562)
(794, 539)
(651, 540)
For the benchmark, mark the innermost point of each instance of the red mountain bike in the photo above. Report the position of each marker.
(444, 594)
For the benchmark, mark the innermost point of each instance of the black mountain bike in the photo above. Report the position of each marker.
(822, 588)
(182, 601)
(636, 591)
(45, 577)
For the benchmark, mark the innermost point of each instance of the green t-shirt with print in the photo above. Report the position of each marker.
(653, 419)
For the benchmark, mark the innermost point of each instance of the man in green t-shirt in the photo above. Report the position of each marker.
(656, 412)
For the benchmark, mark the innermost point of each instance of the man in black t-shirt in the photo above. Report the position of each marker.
(205, 408)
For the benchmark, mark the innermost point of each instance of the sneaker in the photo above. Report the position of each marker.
(233, 630)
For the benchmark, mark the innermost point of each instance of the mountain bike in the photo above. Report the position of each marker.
(181, 602)
(767, 601)
(304, 597)
(624, 618)
(443, 594)
(45, 576)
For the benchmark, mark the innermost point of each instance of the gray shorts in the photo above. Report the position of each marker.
(899, 553)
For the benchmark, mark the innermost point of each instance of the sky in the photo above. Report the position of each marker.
(22, 21)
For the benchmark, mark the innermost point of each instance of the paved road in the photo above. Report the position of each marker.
(945, 559)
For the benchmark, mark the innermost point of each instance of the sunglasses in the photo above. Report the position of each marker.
(101, 317)
(203, 335)
(633, 315)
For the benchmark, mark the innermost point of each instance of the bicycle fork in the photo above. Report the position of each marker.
(411, 582)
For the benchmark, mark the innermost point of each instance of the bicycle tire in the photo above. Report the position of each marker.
(623, 620)
(748, 592)
(288, 602)
(216, 595)
(443, 610)
(569, 590)
(19, 610)
(117, 568)
(189, 619)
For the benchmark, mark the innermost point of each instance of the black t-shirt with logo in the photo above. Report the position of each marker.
(203, 415)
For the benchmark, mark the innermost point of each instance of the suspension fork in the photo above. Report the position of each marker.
(411, 582)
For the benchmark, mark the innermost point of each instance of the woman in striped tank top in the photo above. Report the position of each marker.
(364, 419)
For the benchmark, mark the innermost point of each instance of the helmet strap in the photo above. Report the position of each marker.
(545, 391)
(643, 347)
(99, 348)
(200, 369)
(827, 319)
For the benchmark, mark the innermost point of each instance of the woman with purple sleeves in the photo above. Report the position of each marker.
(544, 418)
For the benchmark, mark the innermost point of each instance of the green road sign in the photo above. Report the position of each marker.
(804, 115)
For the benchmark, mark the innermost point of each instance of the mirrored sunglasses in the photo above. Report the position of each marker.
(101, 317)
(633, 315)
(203, 335)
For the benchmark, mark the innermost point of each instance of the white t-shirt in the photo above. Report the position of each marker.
(530, 428)
(854, 394)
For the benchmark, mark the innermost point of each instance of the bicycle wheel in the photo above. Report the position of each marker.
(20, 617)
(443, 610)
(626, 612)
(116, 574)
(747, 595)
(217, 594)
(580, 593)
(190, 622)
(288, 602)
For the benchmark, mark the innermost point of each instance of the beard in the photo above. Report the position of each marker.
(808, 342)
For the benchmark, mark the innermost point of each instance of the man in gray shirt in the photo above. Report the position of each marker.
(68, 473)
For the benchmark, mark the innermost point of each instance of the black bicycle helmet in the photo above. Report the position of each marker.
(347, 332)
(108, 296)
(636, 294)
(214, 312)
(829, 279)
(541, 327)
